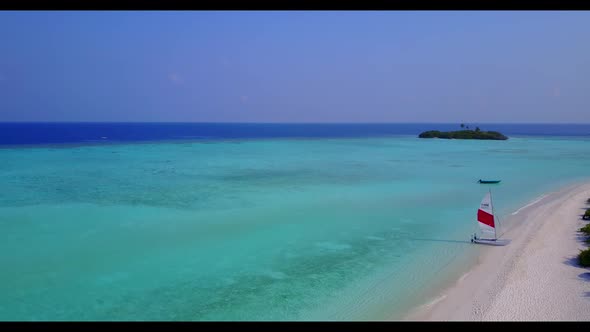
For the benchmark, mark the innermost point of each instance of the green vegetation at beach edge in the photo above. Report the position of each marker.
(465, 133)
(584, 255)
(584, 258)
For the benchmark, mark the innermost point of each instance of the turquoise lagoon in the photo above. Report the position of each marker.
(276, 229)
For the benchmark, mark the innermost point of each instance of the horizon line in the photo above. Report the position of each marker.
(262, 122)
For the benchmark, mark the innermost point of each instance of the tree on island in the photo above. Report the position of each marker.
(463, 126)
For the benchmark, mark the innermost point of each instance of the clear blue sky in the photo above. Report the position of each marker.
(299, 66)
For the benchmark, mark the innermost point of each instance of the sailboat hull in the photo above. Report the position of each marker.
(492, 242)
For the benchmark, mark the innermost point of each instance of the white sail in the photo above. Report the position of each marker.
(485, 216)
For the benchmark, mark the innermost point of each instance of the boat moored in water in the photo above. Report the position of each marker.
(489, 181)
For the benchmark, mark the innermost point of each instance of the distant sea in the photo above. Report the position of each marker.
(78, 133)
(172, 221)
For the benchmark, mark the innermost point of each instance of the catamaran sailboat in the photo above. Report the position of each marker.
(487, 223)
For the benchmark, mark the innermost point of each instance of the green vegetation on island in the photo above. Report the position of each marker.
(464, 134)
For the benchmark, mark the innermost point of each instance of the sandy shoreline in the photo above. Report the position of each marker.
(535, 277)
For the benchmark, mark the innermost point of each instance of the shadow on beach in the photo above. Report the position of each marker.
(580, 237)
(572, 261)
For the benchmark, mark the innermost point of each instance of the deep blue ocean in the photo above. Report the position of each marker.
(80, 133)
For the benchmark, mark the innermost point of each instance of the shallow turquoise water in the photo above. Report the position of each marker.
(347, 229)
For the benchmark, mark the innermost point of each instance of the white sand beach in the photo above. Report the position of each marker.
(534, 278)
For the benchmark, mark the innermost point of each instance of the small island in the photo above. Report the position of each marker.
(464, 134)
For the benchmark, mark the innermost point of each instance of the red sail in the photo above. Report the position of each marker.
(485, 218)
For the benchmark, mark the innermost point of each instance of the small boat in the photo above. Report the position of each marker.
(489, 181)
(487, 223)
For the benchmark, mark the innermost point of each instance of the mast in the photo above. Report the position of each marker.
(493, 214)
